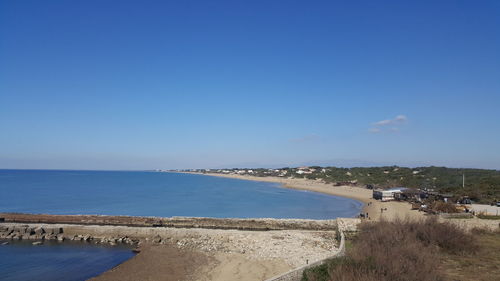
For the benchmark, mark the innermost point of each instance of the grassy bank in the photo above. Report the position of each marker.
(411, 250)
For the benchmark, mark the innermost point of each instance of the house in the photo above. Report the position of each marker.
(387, 194)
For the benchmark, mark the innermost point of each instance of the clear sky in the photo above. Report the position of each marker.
(194, 84)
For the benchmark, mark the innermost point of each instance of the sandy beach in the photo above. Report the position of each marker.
(391, 209)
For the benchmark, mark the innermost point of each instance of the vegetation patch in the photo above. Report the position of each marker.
(488, 217)
(482, 266)
(399, 250)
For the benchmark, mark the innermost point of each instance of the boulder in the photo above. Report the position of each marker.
(39, 230)
(30, 230)
(50, 237)
(157, 239)
(23, 230)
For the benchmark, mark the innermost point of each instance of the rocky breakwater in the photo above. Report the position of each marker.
(257, 224)
(55, 233)
(26, 232)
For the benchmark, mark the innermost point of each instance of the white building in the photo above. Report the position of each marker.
(387, 194)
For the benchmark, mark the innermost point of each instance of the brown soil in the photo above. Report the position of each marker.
(159, 262)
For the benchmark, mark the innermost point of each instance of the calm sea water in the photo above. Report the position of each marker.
(161, 194)
(137, 194)
(58, 261)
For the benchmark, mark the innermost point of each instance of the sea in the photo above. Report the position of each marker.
(137, 193)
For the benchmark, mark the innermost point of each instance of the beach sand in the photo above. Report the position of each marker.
(231, 267)
(391, 209)
(213, 254)
(159, 262)
(168, 263)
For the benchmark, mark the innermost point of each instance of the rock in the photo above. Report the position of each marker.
(5, 243)
(30, 230)
(37, 243)
(54, 230)
(36, 237)
(60, 237)
(39, 230)
(157, 239)
(50, 237)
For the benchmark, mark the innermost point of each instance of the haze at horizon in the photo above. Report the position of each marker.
(192, 84)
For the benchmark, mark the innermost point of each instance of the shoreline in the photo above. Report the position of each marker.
(375, 209)
(172, 254)
(302, 184)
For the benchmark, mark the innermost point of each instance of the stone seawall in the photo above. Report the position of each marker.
(40, 232)
(175, 222)
(18, 232)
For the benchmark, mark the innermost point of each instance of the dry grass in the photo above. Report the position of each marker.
(400, 250)
(484, 265)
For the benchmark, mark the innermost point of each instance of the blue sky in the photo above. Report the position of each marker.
(191, 84)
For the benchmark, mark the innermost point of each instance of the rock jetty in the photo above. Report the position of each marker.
(41, 233)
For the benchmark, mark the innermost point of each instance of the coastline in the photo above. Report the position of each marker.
(199, 253)
(372, 207)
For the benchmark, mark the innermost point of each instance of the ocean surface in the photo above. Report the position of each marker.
(161, 194)
(137, 194)
(68, 261)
